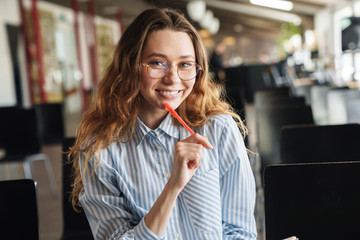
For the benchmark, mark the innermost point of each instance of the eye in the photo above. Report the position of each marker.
(158, 64)
(185, 65)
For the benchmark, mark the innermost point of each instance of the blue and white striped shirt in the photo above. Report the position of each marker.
(217, 203)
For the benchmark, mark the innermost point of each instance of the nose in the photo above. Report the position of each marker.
(172, 75)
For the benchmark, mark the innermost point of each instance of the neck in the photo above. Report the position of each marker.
(152, 120)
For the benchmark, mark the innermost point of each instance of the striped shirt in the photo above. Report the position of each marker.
(217, 203)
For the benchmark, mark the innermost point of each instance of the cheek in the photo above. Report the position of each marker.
(145, 83)
(190, 86)
(188, 91)
(143, 87)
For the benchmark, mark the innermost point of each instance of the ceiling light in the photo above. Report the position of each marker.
(214, 27)
(207, 20)
(277, 4)
(196, 10)
(255, 11)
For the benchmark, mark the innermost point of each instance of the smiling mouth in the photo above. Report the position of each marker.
(169, 93)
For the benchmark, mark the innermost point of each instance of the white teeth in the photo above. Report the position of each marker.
(168, 92)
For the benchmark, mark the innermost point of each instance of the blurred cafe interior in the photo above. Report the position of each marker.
(291, 69)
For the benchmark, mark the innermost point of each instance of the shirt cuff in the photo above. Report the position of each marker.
(145, 233)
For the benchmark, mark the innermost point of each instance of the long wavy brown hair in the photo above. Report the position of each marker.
(112, 115)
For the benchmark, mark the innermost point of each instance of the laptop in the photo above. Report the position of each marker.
(312, 201)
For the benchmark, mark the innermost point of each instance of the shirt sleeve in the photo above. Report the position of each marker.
(106, 207)
(237, 185)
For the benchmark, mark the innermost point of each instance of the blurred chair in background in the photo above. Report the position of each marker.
(51, 122)
(262, 99)
(21, 142)
(304, 91)
(76, 226)
(19, 210)
(323, 143)
(261, 96)
(272, 112)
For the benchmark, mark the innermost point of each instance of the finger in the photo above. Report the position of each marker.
(187, 147)
(203, 140)
(196, 157)
(194, 163)
(191, 165)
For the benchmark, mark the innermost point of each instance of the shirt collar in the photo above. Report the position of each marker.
(167, 126)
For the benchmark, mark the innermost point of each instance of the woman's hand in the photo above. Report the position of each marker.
(188, 154)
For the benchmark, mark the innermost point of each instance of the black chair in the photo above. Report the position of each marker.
(284, 101)
(312, 201)
(21, 142)
(270, 120)
(320, 143)
(18, 210)
(76, 226)
(235, 89)
(274, 97)
(51, 122)
(262, 96)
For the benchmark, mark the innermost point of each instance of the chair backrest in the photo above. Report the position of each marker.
(320, 143)
(270, 120)
(262, 96)
(75, 223)
(276, 101)
(253, 77)
(19, 210)
(312, 201)
(51, 121)
(304, 91)
(19, 131)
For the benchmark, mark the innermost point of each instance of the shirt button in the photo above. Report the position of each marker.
(166, 175)
(158, 148)
(177, 235)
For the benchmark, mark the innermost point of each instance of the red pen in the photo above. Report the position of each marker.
(172, 111)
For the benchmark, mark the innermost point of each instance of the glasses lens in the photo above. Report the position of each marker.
(188, 70)
(185, 70)
(157, 72)
(158, 68)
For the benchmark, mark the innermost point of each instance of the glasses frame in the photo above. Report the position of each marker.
(198, 68)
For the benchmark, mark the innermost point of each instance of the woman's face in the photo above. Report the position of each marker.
(166, 48)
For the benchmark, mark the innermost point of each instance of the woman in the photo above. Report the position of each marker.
(138, 173)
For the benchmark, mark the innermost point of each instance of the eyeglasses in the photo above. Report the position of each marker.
(186, 71)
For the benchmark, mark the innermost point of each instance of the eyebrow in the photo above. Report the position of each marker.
(164, 56)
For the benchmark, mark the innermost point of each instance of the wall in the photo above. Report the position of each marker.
(9, 14)
(64, 30)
